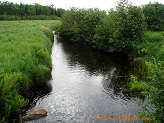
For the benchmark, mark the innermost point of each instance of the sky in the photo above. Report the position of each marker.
(67, 4)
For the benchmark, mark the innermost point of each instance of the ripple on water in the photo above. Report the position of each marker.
(83, 86)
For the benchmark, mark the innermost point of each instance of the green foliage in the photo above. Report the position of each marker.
(105, 30)
(41, 74)
(162, 33)
(154, 13)
(152, 46)
(44, 57)
(11, 101)
(155, 90)
(150, 69)
(120, 29)
(80, 24)
(24, 61)
(11, 11)
(136, 85)
(113, 32)
(48, 32)
(153, 36)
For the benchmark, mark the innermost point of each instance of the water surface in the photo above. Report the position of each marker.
(85, 83)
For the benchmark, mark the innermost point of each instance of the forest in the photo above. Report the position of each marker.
(11, 11)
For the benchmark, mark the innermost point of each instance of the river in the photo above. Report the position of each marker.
(85, 83)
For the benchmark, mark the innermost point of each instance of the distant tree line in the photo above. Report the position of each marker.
(11, 11)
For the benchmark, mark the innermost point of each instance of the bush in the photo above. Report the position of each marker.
(155, 91)
(136, 85)
(11, 101)
(120, 29)
(153, 36)
(154, 13)
(79, 24)
(149, 67)
(113, 32)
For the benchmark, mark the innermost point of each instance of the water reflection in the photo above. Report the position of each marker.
(85, 83)
(113, 68)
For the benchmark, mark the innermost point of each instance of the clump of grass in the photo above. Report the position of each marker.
(150, 79)
(24, 61)
(153, 36)
(153, 46)
(136, 85)
(44, 57)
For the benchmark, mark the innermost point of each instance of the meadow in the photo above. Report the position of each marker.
(25, 61)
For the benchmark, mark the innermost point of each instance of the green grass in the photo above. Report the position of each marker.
(136, 85)
(153, 36)
(153, 46)
(25, 48)
(149, 65)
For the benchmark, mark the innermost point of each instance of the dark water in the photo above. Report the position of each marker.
(85, 83)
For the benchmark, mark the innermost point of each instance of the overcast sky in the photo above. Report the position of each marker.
(66, 4)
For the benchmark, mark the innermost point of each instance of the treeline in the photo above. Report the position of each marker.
(112, 32)
(11, 11)
(115, 31)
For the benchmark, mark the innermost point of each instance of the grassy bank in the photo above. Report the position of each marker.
(148, 76)
(25, 61)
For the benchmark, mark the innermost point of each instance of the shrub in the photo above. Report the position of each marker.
(120, 29)
(155, 90)
(80, 24)
(136, 85)
(154, 13)
(115, 32)
(150, 36)
(11, 101)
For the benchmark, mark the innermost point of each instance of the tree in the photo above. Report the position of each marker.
(22, 10)
(11, 11)
(30, 10)
(80, 24)
(121, 28)
(154, 13)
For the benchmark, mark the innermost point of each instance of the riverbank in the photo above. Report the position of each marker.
(147, 78)
(25, 61)
(124, 31)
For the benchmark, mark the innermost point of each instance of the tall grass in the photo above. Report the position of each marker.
(149, 75)
(24, 61)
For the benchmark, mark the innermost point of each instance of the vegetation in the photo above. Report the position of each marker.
(79, 24)
(129, 30)
(121, 28)
(25, 48)
(11, 11)
(113, 32)
(25, 62)
(154, 16)
(149, 65)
